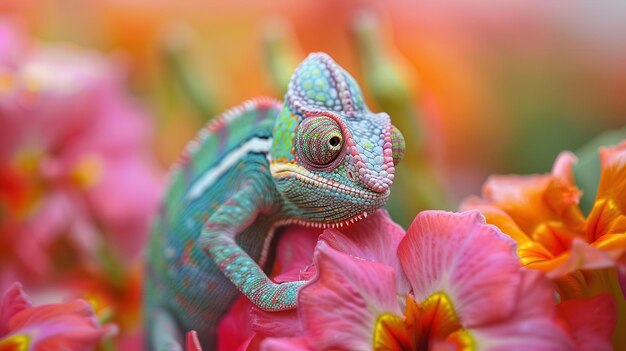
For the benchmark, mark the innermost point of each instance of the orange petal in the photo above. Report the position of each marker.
(521, 197)
(581, 256)
(390, 333)
(605, 216)
(613, 244)
(555, 237)
(611, 197)
(562, 195)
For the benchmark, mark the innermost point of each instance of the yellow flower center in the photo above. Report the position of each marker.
(424, 324)
(19, 342)
(87, 171)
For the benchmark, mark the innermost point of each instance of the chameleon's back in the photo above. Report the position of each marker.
(182, 281)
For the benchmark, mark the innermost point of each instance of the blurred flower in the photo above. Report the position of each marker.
(541, 213)
(68, 326)
(452, 282)
(74, 171)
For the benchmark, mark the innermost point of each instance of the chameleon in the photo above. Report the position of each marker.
(320, 158)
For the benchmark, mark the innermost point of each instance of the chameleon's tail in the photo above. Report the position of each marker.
(165, 330)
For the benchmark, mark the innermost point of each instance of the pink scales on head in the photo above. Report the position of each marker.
(321, 87)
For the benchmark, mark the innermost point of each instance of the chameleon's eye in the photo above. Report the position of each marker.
(319, 141)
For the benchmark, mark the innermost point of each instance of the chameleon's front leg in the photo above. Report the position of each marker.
(218, 242)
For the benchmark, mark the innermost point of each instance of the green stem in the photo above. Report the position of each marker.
(280, 54)
(175, 54)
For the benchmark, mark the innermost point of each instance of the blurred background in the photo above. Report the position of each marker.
(98, 98)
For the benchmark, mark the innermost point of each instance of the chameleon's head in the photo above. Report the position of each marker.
(332, 158)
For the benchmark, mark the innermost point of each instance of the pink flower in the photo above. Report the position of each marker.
(466, 290)
(74, 166)
(452, 282)
(64, 326)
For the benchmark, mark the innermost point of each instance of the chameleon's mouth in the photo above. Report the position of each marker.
(324, 225)
(286, 170)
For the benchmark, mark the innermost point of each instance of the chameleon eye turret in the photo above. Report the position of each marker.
(319, 142)
(321, 159)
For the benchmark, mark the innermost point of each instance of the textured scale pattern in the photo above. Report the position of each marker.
(320, 159)
(320, 142)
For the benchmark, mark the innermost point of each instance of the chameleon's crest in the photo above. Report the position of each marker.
(326, 132)
(319, 83)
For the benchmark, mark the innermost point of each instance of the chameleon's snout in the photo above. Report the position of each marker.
(375, 147)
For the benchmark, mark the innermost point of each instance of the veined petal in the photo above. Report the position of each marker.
(339, 308)
(375, 239)
(471, 262)
(611, 198)
(532, 324)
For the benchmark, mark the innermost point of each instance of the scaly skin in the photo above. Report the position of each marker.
(320, 159)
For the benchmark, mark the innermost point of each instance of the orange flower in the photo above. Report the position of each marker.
(584, 255)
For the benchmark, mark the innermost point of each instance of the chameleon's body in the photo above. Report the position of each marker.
(320, 159)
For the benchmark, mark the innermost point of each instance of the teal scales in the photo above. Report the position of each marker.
(319, 159)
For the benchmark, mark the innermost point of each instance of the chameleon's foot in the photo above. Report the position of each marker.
(273, 297)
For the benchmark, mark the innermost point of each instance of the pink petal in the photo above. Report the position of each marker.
(14, 300)
(281, 344)
(235, 327)
(532, 324)
(294, 252)
(590, 321)
(375, 238)
(276, 324)
(470, 261)
(339, 309)
(71, 326)
(192, 343)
